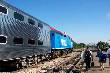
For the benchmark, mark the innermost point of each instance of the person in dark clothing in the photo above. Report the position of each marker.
(98, 52)
(102, 59)
(87, 58)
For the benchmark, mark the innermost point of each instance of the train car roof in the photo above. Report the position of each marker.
(20, 10)
(57, 31)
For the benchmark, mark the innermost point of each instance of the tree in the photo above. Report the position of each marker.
(102, 45)
(82, 45)
(78, 45)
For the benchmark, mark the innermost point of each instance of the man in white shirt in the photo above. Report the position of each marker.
(82, 54)
(108, 53)
(84, 58)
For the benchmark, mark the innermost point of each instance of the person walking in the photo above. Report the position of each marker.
(82, 58)
(102, 59)
(87, 58)
(82, 55)
(98, 52)
(108, 53)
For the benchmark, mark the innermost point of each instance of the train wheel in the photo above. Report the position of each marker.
(48, 56)
(27, 62)
(7, 66)
(61, 53)
(19, 64)
(34, 59)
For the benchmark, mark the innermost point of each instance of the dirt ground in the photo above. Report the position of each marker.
(96, 68)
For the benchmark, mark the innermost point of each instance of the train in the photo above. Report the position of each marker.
(22, 35)
(65, 42)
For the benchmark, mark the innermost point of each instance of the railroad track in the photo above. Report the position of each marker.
(65, 67)
(66, 63)
(63, 63)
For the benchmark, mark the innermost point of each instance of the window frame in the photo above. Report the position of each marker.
(41, 25)
(18, 14)
(6, 39)
(33, 21)
(65, 36)
(6, 9)
(40, 43)
(17, 42)
(53, 34)
(31, 40)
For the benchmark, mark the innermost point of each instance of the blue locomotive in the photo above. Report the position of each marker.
(60, 40)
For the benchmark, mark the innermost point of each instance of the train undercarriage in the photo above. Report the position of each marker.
(24, 62)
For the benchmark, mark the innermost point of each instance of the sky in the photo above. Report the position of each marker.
(86, 21)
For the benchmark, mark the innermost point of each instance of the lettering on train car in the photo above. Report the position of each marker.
(63, 42)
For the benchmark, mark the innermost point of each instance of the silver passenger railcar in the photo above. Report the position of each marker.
(21, 35)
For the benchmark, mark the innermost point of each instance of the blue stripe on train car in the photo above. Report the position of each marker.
(59, 41)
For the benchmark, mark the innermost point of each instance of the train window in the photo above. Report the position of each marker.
(69, 38)
(17, 40)
(31, 41)
(30, 21)
(2, 39)
(18, 16)
(52, 34)
(3, 10)
(64, 35)
(40, 42)
(40, 25)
